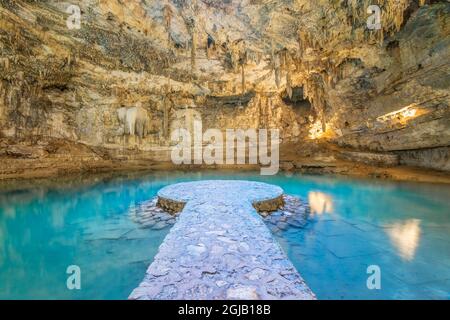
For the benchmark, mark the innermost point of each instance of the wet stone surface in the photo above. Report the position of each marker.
(293, 214)
(220, 247)
(148, 215)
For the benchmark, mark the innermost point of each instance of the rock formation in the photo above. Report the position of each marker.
(324, 72)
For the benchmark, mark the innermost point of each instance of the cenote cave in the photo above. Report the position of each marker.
(224, 150)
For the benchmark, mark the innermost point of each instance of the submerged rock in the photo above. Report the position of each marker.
(149, 215)
(293, 214)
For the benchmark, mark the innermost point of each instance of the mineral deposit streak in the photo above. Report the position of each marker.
(220, 247)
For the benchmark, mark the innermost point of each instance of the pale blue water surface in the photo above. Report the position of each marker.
(403, 228)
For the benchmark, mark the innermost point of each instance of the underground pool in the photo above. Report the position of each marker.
(352, 224)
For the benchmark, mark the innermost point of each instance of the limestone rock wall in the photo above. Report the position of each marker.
(309, 68)
(70, 83)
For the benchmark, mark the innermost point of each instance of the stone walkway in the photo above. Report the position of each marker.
(220, 248)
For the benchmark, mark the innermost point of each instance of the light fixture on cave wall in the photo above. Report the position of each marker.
(404, 114)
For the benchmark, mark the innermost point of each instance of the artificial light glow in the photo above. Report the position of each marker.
(405, 113)
(409, 113)
(316, 132)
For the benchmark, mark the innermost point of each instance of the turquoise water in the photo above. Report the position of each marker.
(403, 228)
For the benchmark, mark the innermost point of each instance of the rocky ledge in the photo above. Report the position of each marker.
(220, 248)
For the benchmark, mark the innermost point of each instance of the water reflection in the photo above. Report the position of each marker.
(320, 202)
(47, 226)
(52, 225)
(405, 237)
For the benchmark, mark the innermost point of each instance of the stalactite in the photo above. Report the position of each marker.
(268, 110)
(399, 6)
(289, 84)
(193, 32)
(259, 108)
(166, 109)
(193, 51)
(276, 66)
(282, 58)
(305, 90)
(277, 77)
(323, 119)
(243, 78)
(263, 111)
(167, 13)
(10, 98)
(2, 96)
(313, 90)
(166, 120)
(300, 44)
(272, 53)
(235, 56)
(252, 56)
(208, 53)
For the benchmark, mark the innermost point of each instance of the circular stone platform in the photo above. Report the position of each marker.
(263, 196)
(219, 247)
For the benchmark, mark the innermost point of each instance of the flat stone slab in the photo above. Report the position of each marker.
(220, 248)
